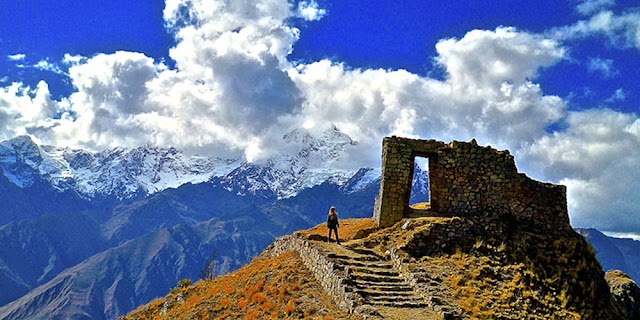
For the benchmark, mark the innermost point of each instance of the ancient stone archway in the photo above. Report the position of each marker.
(465, 180)
(398, 158)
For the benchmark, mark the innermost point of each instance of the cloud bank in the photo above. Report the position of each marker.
(233, 92)
(622, 30)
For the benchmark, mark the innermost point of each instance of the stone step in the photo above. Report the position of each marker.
(378, 293)
(356, 257)
(375, 278)
(387, 272)
(365, 264)
(377, 272)
(364, 285)
(364, 252)
(399, 304)
(396, 298)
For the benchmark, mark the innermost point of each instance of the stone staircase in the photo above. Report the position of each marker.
(363, 282)
(374, 279)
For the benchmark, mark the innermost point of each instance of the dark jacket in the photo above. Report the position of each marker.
(332, 221)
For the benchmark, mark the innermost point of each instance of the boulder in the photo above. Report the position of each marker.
(625, 292)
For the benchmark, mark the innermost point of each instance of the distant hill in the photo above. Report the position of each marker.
(116, 280)
(615, 253)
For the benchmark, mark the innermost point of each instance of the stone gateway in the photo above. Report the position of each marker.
(465, 180)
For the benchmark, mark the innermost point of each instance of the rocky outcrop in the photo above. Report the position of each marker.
(625, 292)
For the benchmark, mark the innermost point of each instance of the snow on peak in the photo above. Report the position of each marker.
(118, 172)
(18, 156)
(306, 161)
(312, 161)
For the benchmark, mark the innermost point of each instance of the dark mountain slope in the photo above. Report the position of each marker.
(116, 280)
(615, 253)
(35, 251)
(36, 200)
(189, 204)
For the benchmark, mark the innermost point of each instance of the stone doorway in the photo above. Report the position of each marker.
(420, 197)
(398, 161)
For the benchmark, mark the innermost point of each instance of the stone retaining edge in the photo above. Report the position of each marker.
(320, 267)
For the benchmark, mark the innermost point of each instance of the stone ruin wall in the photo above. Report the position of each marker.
(466, 180)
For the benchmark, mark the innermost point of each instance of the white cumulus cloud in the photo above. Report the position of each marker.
(46, 65)
(310, 11)
(596, 157)
(111, 94)
(588, 7)
(25, 110)
(229, 88)
(17, 57)
(497, 105)
(234, 92)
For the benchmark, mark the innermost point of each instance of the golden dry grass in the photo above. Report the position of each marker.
(528, 278)
(267, 288)
(617, 278)
(347, 230)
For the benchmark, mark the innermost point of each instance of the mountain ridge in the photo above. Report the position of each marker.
(122, 173)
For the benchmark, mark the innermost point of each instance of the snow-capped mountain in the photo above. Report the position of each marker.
(306, 161)
(121, 173)
(420, 186)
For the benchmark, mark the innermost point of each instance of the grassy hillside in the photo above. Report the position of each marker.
(268, 288)
(522, 275)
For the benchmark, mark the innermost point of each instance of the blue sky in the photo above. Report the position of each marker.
(389, 35)
(554, 82)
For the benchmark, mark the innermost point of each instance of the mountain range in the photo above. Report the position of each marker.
(92, 235)
(122, 173)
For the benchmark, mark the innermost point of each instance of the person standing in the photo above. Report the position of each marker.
(333, 224)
